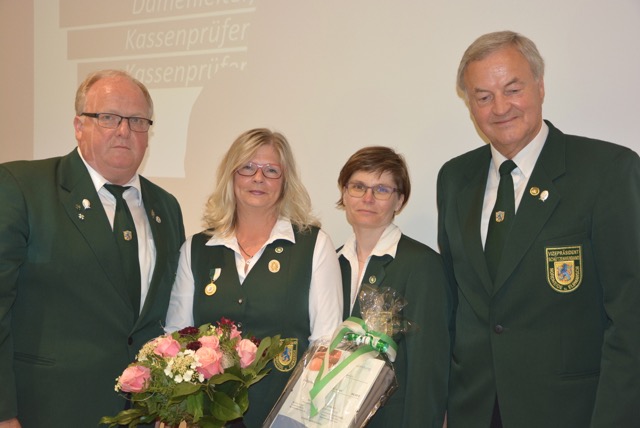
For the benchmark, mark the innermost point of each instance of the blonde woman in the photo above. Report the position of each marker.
(262, 261)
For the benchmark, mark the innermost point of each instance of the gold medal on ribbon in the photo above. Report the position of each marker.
(211, 288)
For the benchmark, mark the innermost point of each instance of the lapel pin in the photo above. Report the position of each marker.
(86, 204)
(81, 216)
(500, 216)
(279, 250)
(534, 191)
(156, 217)
(274, 266)
(127, 235)
(372, 279)
(544, 195)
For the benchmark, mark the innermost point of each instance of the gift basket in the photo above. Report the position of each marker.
(341, 383)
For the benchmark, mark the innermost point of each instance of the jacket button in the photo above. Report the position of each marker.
(498, 328)
(130, 341)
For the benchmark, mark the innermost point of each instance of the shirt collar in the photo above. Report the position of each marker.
(527, 157)
(99, 181)
(281, 230)
(387, 244)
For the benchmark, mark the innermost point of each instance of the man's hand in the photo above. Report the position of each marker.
(11, 423)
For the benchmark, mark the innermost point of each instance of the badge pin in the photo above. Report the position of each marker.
(279, 250)
(372, 279)
(81, 216)
(158, 219)
(127, 235)
(544, 195)
(534, 191)
(274, 266)
(500, 215)
(86, 204)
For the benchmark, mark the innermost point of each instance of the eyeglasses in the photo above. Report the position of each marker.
(112, 121)
(380, 192)
(268, 170)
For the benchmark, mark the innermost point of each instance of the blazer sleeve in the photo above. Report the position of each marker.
(616, 243)
(14, 232)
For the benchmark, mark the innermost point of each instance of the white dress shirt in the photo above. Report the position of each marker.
(525, 161)
(133, 197)
(387, 244)
(325, 293)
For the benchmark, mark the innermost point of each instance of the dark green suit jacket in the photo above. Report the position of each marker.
(556, 337)
(422, 363)
(67, 327)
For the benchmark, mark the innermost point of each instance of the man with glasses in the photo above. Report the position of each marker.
(88, 254)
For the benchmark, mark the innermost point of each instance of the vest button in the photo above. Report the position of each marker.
(239, 325)
(498, 329)
(240, 301)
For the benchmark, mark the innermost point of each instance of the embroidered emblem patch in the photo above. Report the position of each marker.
(564, 268)
(286, 361)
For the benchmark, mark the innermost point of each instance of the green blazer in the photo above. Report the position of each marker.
(556, 336)
(422, 363)
(67, 328)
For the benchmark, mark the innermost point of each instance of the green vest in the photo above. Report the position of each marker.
(274, 299)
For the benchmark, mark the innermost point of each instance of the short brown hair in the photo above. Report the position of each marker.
(377, 159)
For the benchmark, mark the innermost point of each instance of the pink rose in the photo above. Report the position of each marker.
(234, 332)
(134, 378)
(210, 360)
(167, 346)
(210, 342)
(247, 351)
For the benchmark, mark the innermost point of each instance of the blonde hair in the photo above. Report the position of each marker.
(294, 203)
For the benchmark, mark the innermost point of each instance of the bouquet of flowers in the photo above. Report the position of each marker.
(198, 375)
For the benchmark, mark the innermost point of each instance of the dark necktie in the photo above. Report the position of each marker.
(124, 232)
(501, 218)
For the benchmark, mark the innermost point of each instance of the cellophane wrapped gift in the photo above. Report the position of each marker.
(342, 382)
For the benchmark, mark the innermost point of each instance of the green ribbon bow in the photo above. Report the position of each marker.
(372, 343)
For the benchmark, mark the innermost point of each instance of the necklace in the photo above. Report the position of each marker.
(244, 251)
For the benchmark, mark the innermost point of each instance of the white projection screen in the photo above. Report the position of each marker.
(333, 76)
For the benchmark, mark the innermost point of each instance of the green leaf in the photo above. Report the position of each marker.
(243, 399)
(224, 377)
(125, 417)
(185, 388)
(194, 406)
(224, 408)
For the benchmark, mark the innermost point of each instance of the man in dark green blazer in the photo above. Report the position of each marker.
(551, 339)
(68, 326)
